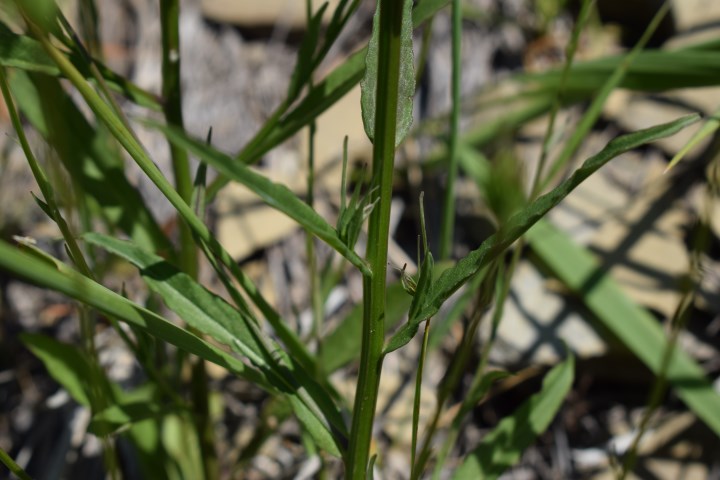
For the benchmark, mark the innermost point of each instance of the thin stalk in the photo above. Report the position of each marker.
(14, 468)
(316, 299)
(677, 323)
(454, 373)
(373, 335)
(569, 56)
(448, 220)
(595, 109)
(418, 397)
(172, 108)
(423, 350)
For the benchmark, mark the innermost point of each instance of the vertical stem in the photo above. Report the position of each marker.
(172, 108)
(448, 220)
(390, 23)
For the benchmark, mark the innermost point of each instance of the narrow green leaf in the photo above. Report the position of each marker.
(275, 195)
(19, 51)
(124, 415)
(502, 447)
(634, 326)
(652, 70)
(213, 316)
(305, 58)
(711, 125)
(66, 364)
(406, 86)
(452, 279)
(87, 291)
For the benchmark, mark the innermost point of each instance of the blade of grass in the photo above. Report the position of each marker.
(274, 194)
(652, 71)
(23, 52)
(711, 125)
(634, 326)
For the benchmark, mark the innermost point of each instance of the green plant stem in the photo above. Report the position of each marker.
(595, 109)
(172, 108)
(390, 24)
(14, 468)
(448, 220)
(569, 56)
(454, 372)
(418, 397)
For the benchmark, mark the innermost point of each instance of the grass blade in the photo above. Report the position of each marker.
(635, 327)
(26, 53)
(502, 447)
(274, 194)
(68, 365)
(711, 125)
(652, 70)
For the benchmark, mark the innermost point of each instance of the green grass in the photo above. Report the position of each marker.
(242, 332)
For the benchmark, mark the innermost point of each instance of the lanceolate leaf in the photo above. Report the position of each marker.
(502, 447)
(274, 194)
(67, 364)
(87, 291)
(406, 86)
(213, 316)
(452, 279)
(23, 52)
